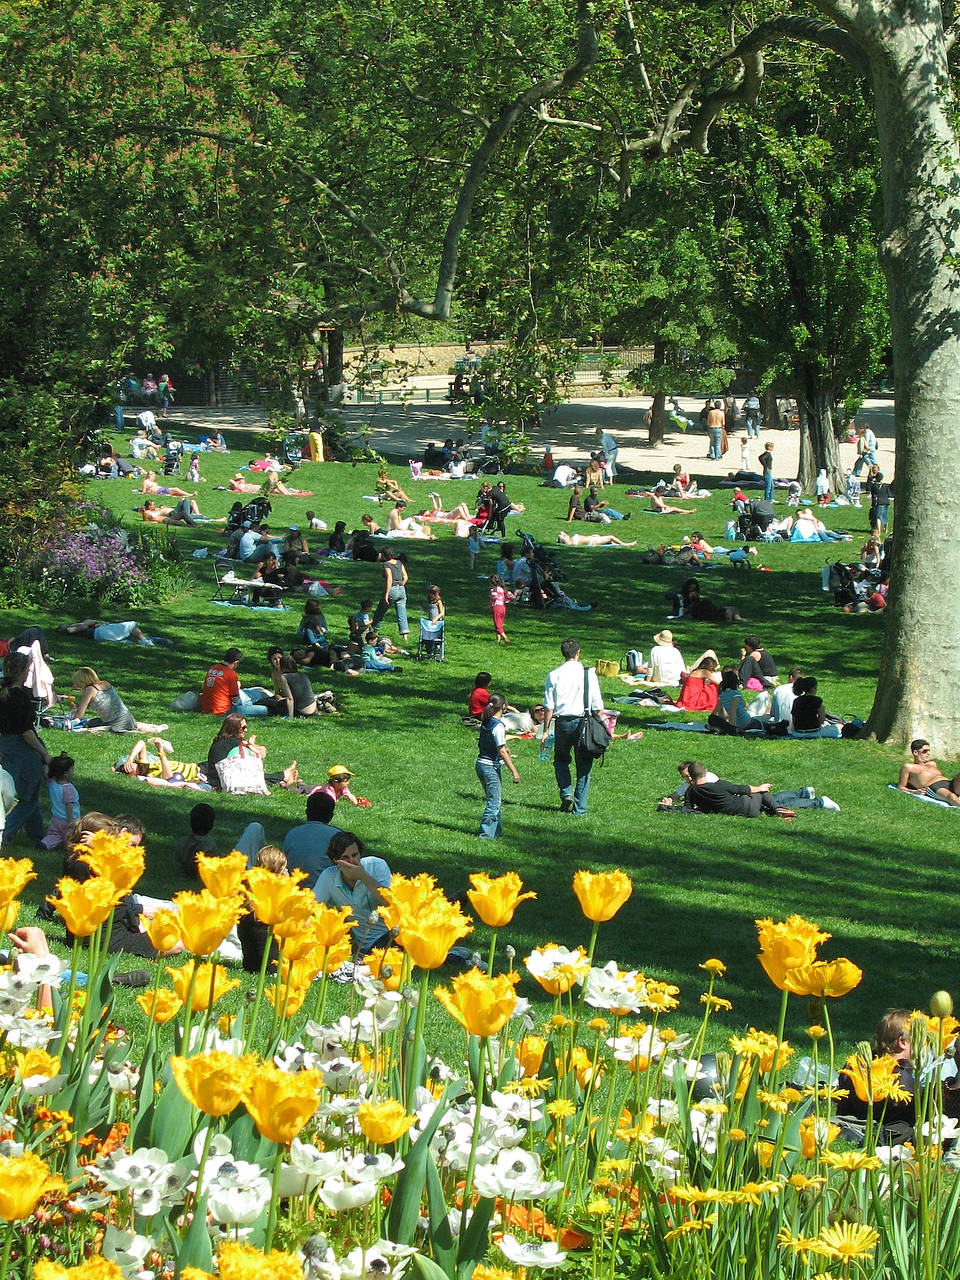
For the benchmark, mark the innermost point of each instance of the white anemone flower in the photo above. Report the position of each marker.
(552, 962)
(146, 1201)
(614, 989)
(307, 1167)
(338, 1195)
(515, 1107)
(664, 1110)
(371, 1168)
(380, 1261)
(219, 1145)
(318, 1259)
(39, 969)
(941, 1132)
(27, 1033)
(38, 1085)
(540, 1254)
(124, 1080)
(128, 1250)
(626, 1048)
(514, 1175)
(341, 1074)
(124, 1170)
(240, 1205)
(295, 1057)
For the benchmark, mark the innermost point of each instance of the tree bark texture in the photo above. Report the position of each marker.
(658, 418)
(818, 441)
(920, 164)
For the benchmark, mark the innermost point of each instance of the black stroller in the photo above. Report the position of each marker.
(172, 455)
(292, 450)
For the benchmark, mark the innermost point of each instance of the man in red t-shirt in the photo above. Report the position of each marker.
(481, 694)
(220, 685)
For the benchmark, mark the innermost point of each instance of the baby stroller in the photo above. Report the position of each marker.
(430, 643)
(292, 450)
(542, 557)
(256, 511)
(172, 455)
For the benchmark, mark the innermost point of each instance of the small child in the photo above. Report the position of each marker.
(372, 655)
(473, 546)
(822, 488)
(853, 490)
(314, 522)
(435, 606)
(338, 787)
(195, 469)
(499, 596)
(481, 693)
(64, 802)
(744, 453)
(185, 850)
(360, 621)
(794, 490)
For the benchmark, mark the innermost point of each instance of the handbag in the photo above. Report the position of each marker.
(242, 774)
(593, 736)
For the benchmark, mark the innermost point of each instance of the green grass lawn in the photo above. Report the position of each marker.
(879, 875)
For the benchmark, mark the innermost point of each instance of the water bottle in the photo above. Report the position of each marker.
(546, 747)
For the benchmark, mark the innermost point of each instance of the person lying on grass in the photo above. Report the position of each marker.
(925, 777)
(746, 801)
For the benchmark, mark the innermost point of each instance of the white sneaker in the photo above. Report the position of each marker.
(827, 803)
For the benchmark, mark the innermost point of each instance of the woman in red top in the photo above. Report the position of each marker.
(698, 689)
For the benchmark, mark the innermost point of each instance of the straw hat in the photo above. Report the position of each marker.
(664, 637)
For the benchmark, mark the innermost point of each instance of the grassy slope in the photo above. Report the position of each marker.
(876, 875)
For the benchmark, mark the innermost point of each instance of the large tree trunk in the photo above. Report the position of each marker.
(818, 441)
(769, 408)
(921, 185)
(658, 419)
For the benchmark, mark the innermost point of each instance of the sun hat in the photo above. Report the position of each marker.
(294, 528)
(339, 771)
(664, 637)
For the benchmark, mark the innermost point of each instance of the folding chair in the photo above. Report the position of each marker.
(430, 643)
(230, 588)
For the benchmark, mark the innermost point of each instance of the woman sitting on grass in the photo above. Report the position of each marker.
(731, 708)
(698, 688)
(106, 707)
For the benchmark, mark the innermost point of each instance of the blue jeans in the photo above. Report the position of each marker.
(25, 766)
(609, 511)
(247, 707)
(883, 515)
(566, 742)
(716, 442)
(768, 486)
(753, 427)
(489, 775)
(397, 596)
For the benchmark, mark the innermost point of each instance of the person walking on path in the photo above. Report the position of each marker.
(766, 463)
(866, 449)
(492, 755)
(564, 699)
(715, 428)
(610, 451)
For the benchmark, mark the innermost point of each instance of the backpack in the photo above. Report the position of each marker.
(633, 661)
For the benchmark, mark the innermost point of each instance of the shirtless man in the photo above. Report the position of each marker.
(925, 778)
(715, 421)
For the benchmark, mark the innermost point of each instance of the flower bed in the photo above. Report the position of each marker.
(275, 1144)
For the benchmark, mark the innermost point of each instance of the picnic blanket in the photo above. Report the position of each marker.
(916, 795)
(253, 608)
(176, 784)
(698, 726)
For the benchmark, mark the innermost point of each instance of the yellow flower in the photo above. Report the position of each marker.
(382, 958)
(205, 920)
(598, 1024)
(737, 1135)
(751, 1192)
(822, 978)
(876, 1081)
(482, 1272)
(8, 915)
(529, 1054)
(762, 1046)
(383, 1122)
(815, 1135)
(599, 1207)
(288, 1001)
(213, 1082)
(764, 1153)
(481, 1004)
(115, 859)
(299, 917)
(427, 933)
(163, 930)
(715, 1002)
(94, 1268)
(942, 1030)
(690, 1226)
(495, 900)
(561, 1109)
(212, 983)
(15, 875)
(281, 1103)
(160, 1006)
(845, 1241)
(800, 1182)
(222, 876)
(787, 945)
(243, 1262)
(274, 898)
(23, 1180)
(36, 1062)
(660, 997)
(816, 1032)
(556, 968)
(601, 894)
(851, 1161)
(715, 967)
(83, 906)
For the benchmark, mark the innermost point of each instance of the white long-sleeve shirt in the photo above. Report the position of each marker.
(563, 692)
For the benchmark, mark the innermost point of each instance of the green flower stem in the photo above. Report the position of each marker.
(5, 1259)
(775, 1074)
(251, 1028)
(492, 952)
(409, 1084)
(203, 1159)
(188, 1009)
(274, 1201)
(474, 1143)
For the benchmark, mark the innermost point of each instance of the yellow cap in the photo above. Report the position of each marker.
(339, 771)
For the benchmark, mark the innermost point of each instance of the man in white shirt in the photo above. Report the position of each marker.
(610, 451)
(563, 476)
(563, 698)
(784, 697)
(665, 664)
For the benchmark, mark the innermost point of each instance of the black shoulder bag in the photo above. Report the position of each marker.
(593, 736)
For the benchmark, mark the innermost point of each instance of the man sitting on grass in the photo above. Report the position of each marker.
(924, 776)
(745, 801)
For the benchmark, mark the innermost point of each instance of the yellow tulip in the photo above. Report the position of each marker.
(529, 1054)
(495, 900)
(281, 1103)
(85, 905)
(407, 896)
(94, 1268)
(790, 944)
(163, 930)
(212, 983)
(205, 920)
(382, 958)
(383, 1122)
(602, 894)
(330, 926)
(298, 912)
(943, 1030)
(822, 978)
(8, 915)
(23, 1180)
(213, 1082)
(15, 875)
(481, 1004)
(815, 1135)
(243, 1262)
(114, 858)
(36, 1062)
(160, 1006)
(287, 1000)
(273, 897)
(222, 876)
